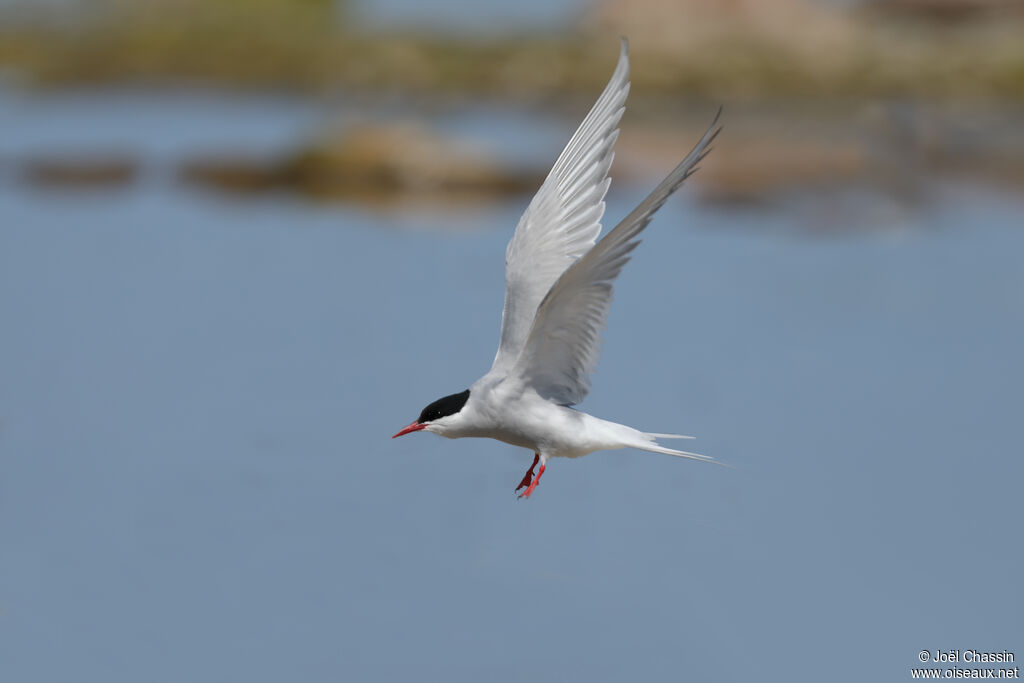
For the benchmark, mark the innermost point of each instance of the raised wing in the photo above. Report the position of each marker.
(563, 345)
(563, 219)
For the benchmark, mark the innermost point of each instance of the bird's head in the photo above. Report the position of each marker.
(439, 415)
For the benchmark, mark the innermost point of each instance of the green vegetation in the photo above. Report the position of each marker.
(815, 97)
(313, 44)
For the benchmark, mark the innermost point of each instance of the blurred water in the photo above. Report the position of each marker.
(197, 480)
(463, 16)
(164, 126)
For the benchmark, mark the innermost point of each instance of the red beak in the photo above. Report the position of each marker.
(414, 427)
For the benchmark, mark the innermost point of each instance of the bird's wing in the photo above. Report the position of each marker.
(562, 347)
(563, 219)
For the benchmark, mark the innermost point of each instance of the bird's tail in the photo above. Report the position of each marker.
(655, 435)
(623, 436)
(648, 442)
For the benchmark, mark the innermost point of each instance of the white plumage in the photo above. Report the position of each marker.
(558, 289)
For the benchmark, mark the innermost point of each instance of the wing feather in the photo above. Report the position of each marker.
(563, 219)
(562, 347)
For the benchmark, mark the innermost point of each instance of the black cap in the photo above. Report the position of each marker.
(443, 407)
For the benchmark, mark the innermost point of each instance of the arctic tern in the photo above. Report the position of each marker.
(558, 288)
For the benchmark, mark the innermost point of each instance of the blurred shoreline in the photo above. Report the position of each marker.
(883, 95)
(373, 155)
(730, 49)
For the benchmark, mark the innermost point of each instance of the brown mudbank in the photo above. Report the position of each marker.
(80, 172)
(373, 161)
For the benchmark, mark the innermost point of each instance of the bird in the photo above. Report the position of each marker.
(558, 288)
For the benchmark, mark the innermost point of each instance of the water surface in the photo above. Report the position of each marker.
(197, 480)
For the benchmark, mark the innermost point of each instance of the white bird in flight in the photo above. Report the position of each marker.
(558, 288)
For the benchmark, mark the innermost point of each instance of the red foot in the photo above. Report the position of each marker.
(533, 484)
(528, 477)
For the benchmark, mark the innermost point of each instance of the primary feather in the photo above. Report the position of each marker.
(562, 347)
(564, 218)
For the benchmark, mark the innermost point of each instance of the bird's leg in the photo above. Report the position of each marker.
(528, 477)
(533, 484)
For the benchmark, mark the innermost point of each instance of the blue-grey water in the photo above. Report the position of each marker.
(197, 394)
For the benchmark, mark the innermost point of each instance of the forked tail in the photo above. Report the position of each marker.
(647, 441)
(618, 435)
